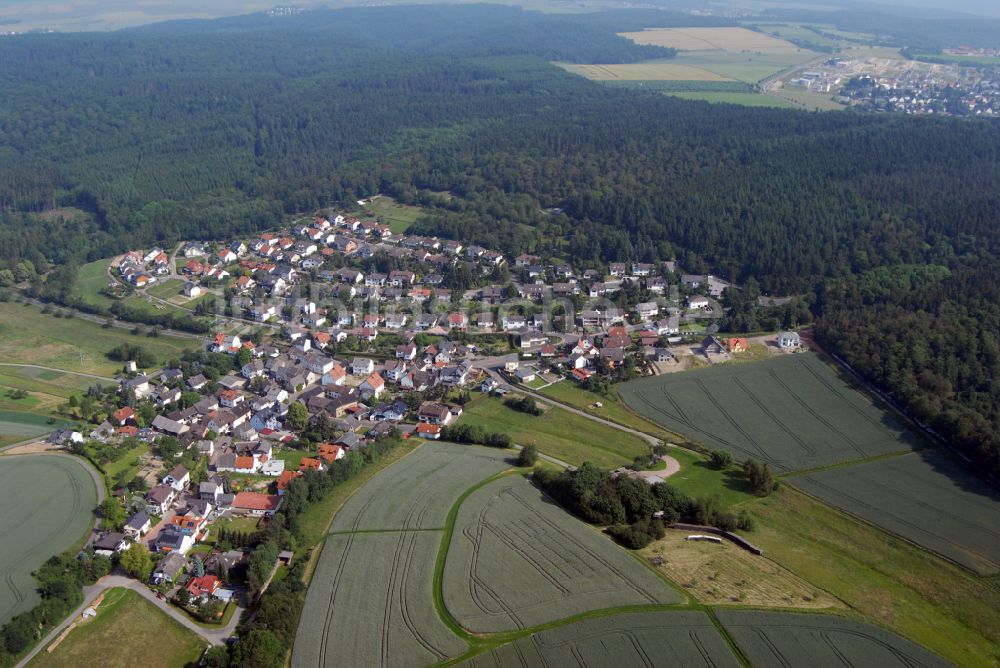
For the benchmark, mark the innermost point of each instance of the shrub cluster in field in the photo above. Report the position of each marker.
(467, 433)
(524, 405)
(627, 506)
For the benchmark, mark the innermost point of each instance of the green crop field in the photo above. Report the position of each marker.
(371, 602)
(632, 639)
(889, 581)
(558, 433)
(371, 598)
(924, 497)
(418, 492)
(23, 424)
(49, 503)
(127, 631)
(28, 336)
(518, 560)
(793, 412)
(787, 639)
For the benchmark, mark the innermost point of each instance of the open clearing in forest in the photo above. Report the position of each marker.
(634, 639)
(788, 639)
(155, 640)
(48, 505)
(558, 433)
(724, 574)
(518, 560)
(701, 39)
(418, 492)
(925, 497)
(793, 412)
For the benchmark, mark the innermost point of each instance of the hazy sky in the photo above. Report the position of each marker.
(22, 15)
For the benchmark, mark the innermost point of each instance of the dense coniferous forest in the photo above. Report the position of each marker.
(214, 129)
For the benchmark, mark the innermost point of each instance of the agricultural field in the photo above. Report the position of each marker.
(793, 412)
(724, 574)
(702, 39)
(517, 560)
(749, 68)
(18, 425)
(924, 497)
(633, 639)
(648, 71)
(154, 639)
(371, 602)
(787, 639)
(558, 433)
(28, 336)
(418, 492)
(885, 579)
(49, 504)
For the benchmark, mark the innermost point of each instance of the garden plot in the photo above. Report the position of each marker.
(518, 560)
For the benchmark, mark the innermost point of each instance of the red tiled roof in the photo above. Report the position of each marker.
(255, 501)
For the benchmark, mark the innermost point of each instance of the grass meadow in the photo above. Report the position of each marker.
(154, 639)
(558, 433)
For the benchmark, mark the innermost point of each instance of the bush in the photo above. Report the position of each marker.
(523, 405)
(528, 456)
(720, 459)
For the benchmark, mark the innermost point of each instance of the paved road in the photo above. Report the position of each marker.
(49, 368)
(211, 635)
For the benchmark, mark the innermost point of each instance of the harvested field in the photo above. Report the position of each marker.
(518, 560)
(793, 412)
(633, 639)
(417, 493)
(49, 503)
(700, 39)
(724, 574)
(653, 71)
(925, 497)
(371, 603)
(788, 639)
